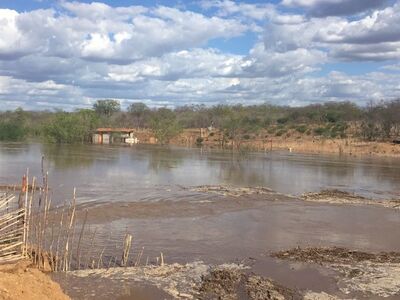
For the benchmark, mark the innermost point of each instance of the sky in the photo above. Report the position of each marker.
(68, 54)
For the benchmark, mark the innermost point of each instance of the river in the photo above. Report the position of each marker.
(146, 190)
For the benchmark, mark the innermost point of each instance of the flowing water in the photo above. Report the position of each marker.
(147, 190)
(137, 173)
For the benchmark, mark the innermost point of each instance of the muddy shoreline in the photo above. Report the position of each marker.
(358, 275)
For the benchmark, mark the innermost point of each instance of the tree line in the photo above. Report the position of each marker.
(374, 122)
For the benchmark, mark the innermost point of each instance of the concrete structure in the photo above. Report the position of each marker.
(114, 135)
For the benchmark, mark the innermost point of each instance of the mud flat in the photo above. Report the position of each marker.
(341, 197)
(189, 281)
(358, 272)
(232, 191)
(329, 196)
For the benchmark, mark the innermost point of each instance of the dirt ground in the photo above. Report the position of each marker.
(358, 272)
(20, 281)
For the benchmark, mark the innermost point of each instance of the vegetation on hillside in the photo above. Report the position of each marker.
(375, 122)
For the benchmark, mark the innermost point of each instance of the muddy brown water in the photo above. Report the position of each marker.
(143, 190)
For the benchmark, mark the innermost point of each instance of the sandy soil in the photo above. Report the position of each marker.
(20, 281)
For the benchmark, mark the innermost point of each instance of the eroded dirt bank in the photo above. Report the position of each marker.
(21, 281)
(295, 141)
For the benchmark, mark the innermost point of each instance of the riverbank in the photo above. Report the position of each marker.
(22, 281)
(292, 140)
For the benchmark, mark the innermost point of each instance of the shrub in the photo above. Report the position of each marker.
(301, 128)
(283, 120)
(319, 131)
(333, 134)
(280, 132)
(11, 131)
(71, 127)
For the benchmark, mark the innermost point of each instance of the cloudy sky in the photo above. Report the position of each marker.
(67, 54)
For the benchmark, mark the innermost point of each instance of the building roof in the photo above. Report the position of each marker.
(109, 129)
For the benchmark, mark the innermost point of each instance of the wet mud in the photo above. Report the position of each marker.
(346, 198)
(176, 281)
(232, 284)
(232, 191)
(359, 273)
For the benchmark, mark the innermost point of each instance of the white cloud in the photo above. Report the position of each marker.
(323, 8)
(227, 7)
(67, 57)
(99, 32)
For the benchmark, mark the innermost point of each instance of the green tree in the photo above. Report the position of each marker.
(164, 125)
(139, 112)
(13, 128)
(107, 107)
(71, 127)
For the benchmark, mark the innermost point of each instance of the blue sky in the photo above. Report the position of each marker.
(67, 54)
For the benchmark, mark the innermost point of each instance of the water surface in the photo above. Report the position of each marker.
(113, 173)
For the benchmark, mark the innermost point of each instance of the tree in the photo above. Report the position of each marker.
(71, 127)
(13, 128)
(164, 125)
(106, 107)
(139, 112)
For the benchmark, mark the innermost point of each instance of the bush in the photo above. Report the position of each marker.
(333, 134)
(283, 120)
(164, 125)
(280, 132)
(11, 131)
(199, 141)
(301, 128)
(319, 131)
(71, 127)
(246, 137)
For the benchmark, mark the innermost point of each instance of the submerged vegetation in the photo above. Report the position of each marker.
(375, 122)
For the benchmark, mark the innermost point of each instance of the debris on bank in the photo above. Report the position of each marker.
(194, 280)
(341, 197)
(232, 284)
(372, 274)
(232, 191)
(178, 280)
